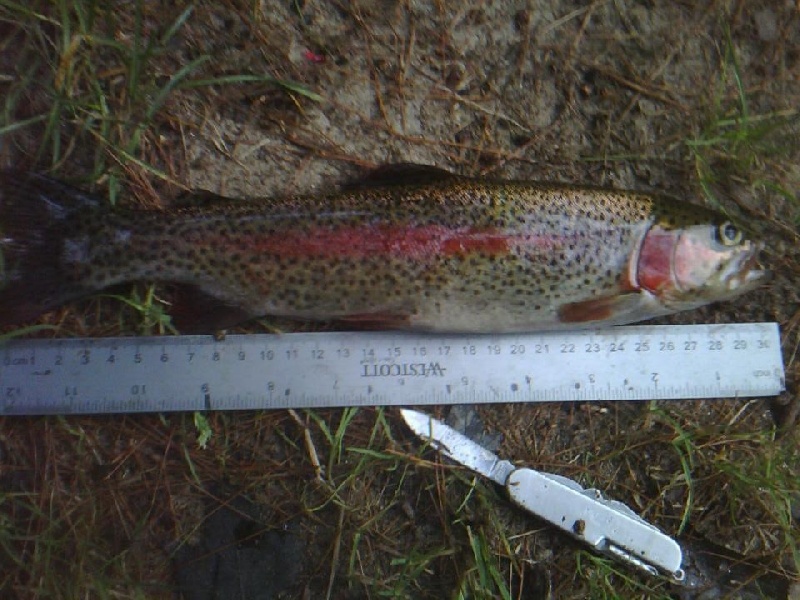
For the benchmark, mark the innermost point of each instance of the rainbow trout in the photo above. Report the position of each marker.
(411, 247)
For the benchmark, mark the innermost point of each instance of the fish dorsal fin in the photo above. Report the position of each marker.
(402, 174)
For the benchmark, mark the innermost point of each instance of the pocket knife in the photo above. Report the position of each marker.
(611, 528)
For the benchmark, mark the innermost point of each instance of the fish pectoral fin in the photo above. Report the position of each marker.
(614, 310)
(377, 320)
(401, 174)
(194, 311)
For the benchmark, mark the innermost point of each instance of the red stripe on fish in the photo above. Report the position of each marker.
(413, 242)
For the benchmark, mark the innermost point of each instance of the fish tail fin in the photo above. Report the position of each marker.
(34, 214)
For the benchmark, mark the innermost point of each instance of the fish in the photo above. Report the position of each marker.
(408, 247)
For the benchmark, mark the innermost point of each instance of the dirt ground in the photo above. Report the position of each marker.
(629, 94)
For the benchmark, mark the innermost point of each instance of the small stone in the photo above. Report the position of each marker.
(767, 25)
(464, 418)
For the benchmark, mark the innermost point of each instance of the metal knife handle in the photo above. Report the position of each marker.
(609, 529)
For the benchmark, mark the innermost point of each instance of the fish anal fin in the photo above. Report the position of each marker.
(194, 311)
(401, 174)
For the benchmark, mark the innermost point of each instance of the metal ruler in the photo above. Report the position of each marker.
(187, 373)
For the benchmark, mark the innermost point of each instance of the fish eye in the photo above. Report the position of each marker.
(728, 234)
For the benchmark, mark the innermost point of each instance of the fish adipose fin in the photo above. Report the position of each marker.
(34, 220)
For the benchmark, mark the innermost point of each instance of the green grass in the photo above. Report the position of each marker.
(152, 311)
(764, 481)
(739, 146)
(759, 473)
(49, 530)
(483, 579)
(365, 489)
(103, 90)
(605, 580)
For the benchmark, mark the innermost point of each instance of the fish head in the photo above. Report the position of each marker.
(695, 264)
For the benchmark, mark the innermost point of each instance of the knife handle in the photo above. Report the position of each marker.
(608, 526)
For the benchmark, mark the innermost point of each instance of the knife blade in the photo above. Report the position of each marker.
(608, 526)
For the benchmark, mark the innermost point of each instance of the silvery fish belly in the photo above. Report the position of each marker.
(410, 247)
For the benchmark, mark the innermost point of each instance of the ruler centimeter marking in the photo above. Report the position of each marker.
(314, 370)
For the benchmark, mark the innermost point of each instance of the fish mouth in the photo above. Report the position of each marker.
(746, 272)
